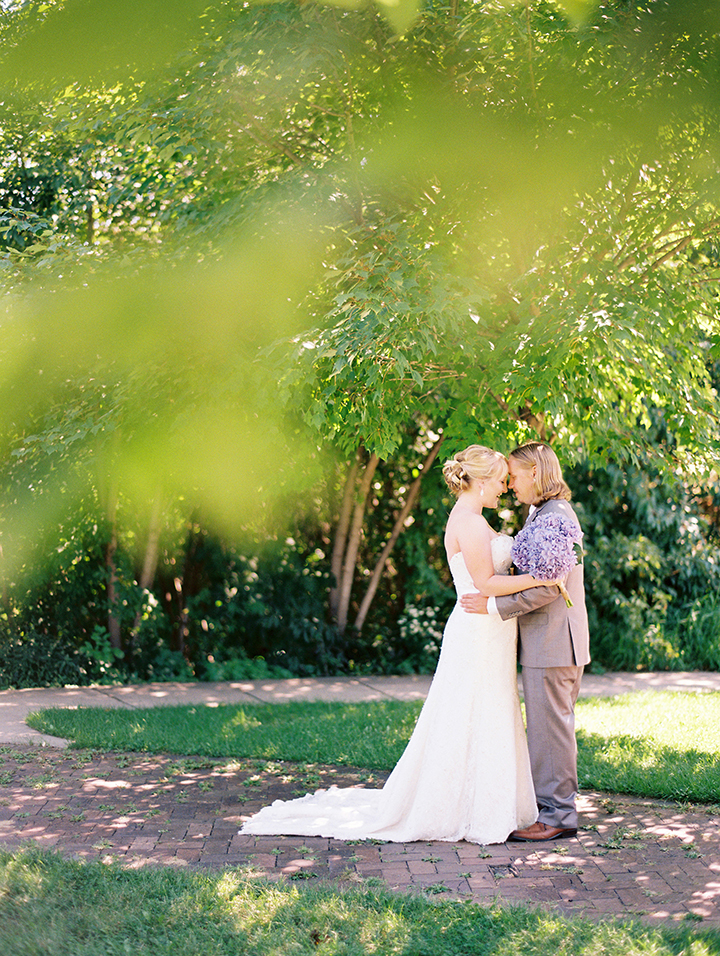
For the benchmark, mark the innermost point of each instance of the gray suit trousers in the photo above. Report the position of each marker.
(550, 694)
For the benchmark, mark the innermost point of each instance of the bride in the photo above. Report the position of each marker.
(465, 773)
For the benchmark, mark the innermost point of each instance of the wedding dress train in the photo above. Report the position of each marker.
(465, 773)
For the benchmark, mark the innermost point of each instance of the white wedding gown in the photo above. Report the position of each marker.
(465, 773)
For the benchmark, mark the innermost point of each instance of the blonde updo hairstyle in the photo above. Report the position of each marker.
(475, 461)
(549, 482)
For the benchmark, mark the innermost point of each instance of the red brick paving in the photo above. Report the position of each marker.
(640, 858)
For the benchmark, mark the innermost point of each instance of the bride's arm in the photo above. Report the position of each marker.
(474, 538)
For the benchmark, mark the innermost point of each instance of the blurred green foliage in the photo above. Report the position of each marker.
(243, 247)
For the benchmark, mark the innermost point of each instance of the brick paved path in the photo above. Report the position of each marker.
(654, 860)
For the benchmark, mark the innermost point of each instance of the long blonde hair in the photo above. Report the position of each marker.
(549, 482)
(475, 461)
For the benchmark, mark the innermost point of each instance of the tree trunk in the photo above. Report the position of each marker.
(90, 213)
(187, 586)
(397, 529)
(152, 548)
(341, 535)
(353, 543)
(113, 619)
(150, 562)
(7, 603)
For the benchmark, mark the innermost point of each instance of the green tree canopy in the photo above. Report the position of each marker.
(488, 221)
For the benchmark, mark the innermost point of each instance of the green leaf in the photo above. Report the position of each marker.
(400, 14)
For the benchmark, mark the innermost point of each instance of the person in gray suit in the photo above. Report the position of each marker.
(554, 647)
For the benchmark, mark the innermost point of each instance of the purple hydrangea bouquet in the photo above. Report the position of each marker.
(548, 548)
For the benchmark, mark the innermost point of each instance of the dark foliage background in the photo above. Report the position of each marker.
(652, 580)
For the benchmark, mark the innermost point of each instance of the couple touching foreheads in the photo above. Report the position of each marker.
(469, 772)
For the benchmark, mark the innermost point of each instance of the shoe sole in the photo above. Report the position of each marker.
(544, 839)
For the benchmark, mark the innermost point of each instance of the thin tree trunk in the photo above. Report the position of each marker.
(90, 212)
(7, 603)
(150, 562)
(187, 586)
(152, 549)
(341, 535)
(397, 529)
(181, 632)
(113, 619)
(353, 543)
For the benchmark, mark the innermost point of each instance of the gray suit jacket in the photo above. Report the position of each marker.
(550, 634)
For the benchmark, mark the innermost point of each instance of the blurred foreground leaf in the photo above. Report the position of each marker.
(103, 41)
(149, 379)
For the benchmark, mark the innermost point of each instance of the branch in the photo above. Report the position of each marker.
(504, 405)
(627, 206)
(261, 137)
(536, 422)
(353, 544)
(271, 143)
(397, 528)
(678, 247)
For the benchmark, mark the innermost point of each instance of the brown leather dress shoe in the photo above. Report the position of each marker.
(541, 831)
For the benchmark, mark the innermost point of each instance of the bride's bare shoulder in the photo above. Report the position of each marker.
(465, 527)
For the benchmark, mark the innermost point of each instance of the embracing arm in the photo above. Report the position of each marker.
(474, 537)
(513, 605)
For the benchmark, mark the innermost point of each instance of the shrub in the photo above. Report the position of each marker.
(651, 565)
(270, 606)
(695, 631)
(34, 660)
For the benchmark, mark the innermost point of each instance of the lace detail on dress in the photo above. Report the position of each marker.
(501, 548)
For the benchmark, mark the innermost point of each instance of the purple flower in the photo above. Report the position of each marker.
(548, 548)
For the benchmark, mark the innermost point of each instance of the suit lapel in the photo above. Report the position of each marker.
(535, 513)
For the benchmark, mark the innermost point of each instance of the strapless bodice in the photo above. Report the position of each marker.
(502, 561)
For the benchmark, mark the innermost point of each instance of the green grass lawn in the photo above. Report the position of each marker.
(654, 744)
(371, 735)
(55, 907)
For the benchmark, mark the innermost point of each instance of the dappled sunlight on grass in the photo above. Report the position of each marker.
(665, 745)
(654, 744)
(637, 765)
(241, 720)
(369, 735)
(329, 921)
(681, 720)
(58, 907)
